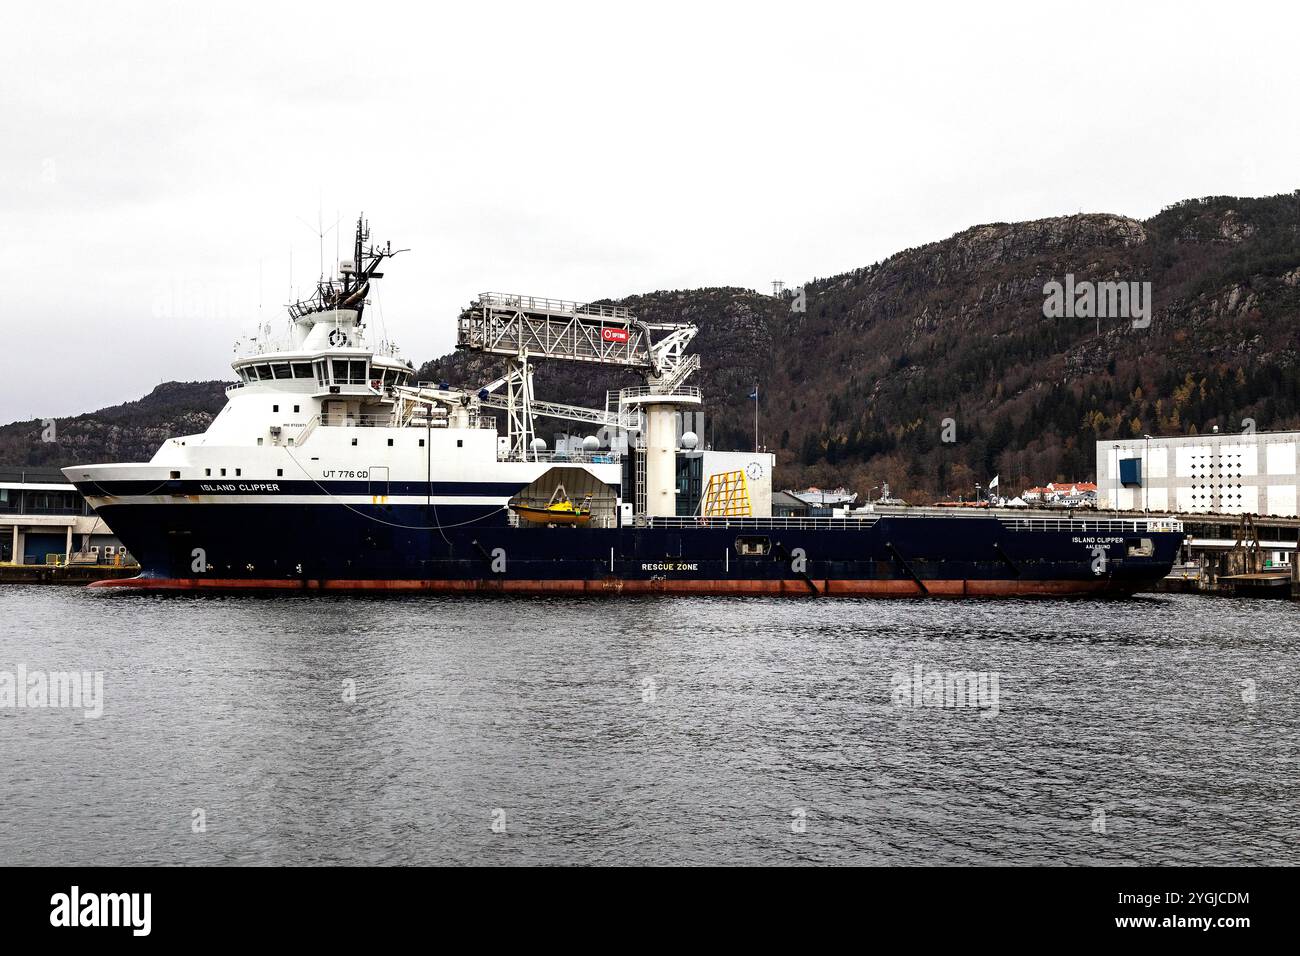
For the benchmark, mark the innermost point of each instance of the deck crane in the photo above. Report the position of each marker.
(524, 329)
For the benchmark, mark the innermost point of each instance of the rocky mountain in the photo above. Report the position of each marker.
(865, 376)
(128, 432)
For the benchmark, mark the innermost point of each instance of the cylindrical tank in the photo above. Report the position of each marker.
(661, 461)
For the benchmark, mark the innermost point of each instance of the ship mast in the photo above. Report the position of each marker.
(349, 291)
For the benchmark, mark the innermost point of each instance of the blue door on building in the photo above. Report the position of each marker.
(37, 545)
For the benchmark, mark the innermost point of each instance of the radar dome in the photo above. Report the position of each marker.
(690, 440)
(539, 444)
(590, 443)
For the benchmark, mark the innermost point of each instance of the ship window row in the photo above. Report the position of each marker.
(358, 372)
(275, 371)
(459, 443)
(239, 472)
(326, 372)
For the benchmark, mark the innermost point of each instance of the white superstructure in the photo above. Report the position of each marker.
(323, 403)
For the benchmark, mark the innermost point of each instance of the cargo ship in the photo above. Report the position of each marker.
(331, 468)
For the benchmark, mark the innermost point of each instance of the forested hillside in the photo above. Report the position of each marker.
(856, 386)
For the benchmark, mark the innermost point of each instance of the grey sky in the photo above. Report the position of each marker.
(157, 157)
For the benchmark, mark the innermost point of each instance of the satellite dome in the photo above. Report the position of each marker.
(590, 443)
(539, 444)
(690, 440)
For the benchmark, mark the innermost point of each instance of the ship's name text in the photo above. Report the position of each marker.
(256, 486)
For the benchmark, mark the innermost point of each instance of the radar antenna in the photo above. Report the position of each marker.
(350, 289)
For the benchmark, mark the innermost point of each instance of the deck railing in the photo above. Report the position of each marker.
(1117, 525)
(565, 457)
(793, 521)
(866, 520)
(532, 303)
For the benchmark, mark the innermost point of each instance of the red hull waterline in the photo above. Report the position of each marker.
(838, 588)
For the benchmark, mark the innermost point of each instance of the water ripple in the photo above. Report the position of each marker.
(321, 729)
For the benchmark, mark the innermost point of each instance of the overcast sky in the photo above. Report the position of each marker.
(159, 160)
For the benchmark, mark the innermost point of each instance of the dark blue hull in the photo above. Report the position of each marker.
(414, 547)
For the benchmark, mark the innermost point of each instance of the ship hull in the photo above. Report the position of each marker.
(463, 549)
(934, 588)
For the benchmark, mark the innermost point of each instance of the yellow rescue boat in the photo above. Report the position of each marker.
(559, 510)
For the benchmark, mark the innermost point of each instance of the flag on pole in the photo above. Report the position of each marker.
(994, 483)
(754, 394)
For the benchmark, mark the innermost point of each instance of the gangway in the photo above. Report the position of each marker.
(526, 328)
(512, 325)
(523, 329)
(516, 326)
(572, 413)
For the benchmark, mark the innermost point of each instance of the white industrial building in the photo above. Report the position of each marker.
(1222, 473)
(43, 519)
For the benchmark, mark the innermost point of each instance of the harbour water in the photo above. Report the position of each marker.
(329, 729)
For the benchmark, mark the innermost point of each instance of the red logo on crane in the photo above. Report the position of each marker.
(614, 335)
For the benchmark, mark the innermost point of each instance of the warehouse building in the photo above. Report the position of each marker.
(1218, 473)
(45, 520)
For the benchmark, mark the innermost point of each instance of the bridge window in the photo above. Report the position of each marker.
(302, 370)
(281, 370)
(349, 372)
